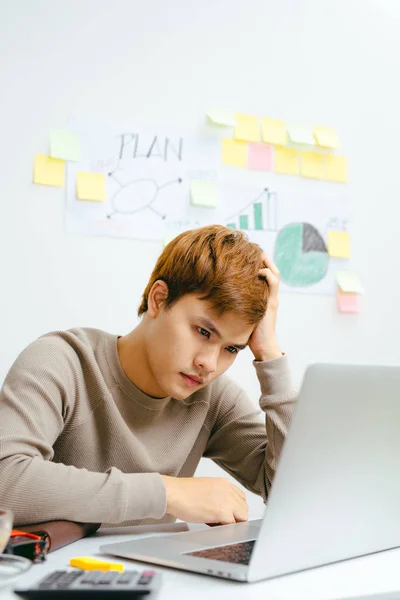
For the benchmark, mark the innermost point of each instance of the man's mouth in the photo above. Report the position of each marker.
(192, 380)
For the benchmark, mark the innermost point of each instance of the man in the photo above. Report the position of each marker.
(100, 428)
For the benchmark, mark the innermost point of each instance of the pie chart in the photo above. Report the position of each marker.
(301, 254)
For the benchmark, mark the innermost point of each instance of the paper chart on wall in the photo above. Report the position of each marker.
(148, 198)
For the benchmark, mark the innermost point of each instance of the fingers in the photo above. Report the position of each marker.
(239, 492)
(270, 267)
(241, 510)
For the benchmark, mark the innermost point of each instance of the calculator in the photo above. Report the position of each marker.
(99, 585)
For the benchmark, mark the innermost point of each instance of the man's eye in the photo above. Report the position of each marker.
(203, 332)
(232, 349)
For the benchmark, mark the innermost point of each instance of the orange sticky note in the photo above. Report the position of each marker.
(286, 161)
(347, 302)
(234, 153)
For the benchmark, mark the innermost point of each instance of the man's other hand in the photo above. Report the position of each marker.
(211, 500)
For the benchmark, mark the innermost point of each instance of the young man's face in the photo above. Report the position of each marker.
(189, 345)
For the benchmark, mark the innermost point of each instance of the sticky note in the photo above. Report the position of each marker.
(312, 165)
(339, 244)
(348, 303)
(259, 157)
(204, 193)
(223, 118)
(301, 135)
(336, 168)
(286, 161)
(326, 137)
(349, 282)
(91, 186)
(65, 145)
(234, 153)
(48, 171)
(274, 132)
(247, 128)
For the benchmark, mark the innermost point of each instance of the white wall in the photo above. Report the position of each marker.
(333, 62)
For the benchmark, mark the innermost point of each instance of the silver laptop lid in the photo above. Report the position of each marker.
(336, 493)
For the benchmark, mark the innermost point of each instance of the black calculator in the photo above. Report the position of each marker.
(96, 585)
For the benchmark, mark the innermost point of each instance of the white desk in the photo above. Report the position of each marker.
(371, 574)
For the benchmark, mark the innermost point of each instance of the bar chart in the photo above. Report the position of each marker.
(260, 214)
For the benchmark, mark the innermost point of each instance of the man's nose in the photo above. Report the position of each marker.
(208, 361)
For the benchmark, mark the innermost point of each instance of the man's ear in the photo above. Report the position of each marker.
(157, 295)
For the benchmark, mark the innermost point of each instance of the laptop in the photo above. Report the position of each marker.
(335, 494)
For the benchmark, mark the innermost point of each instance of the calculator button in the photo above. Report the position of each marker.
(106, 578)
(127, 577)
(91, 577)
(46, 583)
(144, 580)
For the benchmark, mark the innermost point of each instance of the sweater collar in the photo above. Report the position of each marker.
(125, 383)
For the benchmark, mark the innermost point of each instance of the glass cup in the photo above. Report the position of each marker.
(6, 523)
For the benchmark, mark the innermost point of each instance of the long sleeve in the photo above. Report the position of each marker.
(36, 404)
(240, 442)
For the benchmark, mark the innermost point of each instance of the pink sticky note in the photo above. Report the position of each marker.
(347, 302)
(259, 157)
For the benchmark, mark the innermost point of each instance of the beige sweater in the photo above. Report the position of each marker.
(79, 441)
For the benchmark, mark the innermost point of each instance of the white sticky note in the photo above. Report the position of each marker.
(65, 145)
(204, 193)
(223, 118)
(300, 135)
(348, 281)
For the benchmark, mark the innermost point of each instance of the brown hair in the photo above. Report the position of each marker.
(218, 264)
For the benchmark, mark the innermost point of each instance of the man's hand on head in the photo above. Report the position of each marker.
(263, 342)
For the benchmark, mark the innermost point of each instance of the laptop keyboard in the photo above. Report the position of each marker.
(234, 553)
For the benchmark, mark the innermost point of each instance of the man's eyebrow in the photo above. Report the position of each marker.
(210, 325)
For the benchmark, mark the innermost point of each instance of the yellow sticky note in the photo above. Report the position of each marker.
(204, 193)
(312, 165)
(326, 137)
(91, 186)
(65, 145)
(223, 118)
(274, 132)
(349, 282)
(336, 168)
(247, 128)
(301, 135)
(339, 244)
(348, 302)
(286, 161)
(48, 171)
(234, 153)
